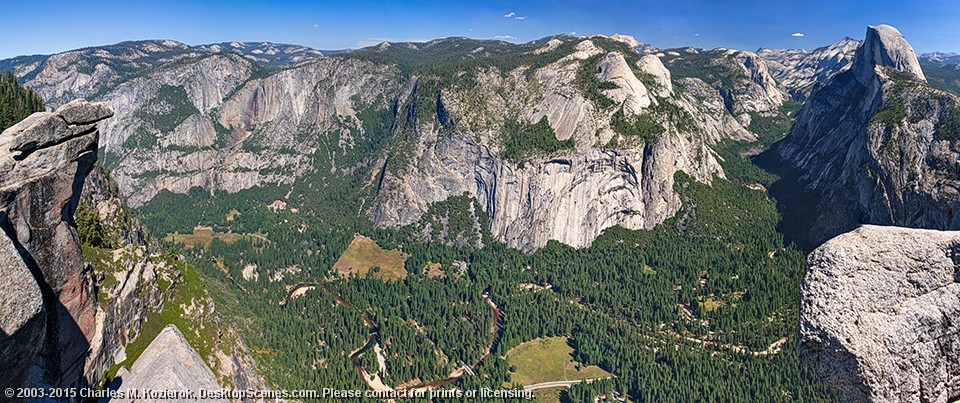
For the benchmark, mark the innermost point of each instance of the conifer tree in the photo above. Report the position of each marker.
(16, 101)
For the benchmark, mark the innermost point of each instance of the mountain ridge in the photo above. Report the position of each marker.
(878, 115)
(227, 115)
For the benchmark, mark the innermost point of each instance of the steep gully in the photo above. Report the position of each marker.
(373, 342)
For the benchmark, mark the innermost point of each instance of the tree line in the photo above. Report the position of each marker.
(16, 101)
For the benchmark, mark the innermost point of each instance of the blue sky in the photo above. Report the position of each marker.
(32, 27)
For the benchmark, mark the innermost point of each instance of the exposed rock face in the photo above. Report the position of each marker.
(766, 96)
(43, 163)
(86, 73)
(266, 53)
(22, 319)
(122, 307)
(799, 70)
(133, 290)
(652, 65)
(169, 363)
(941, 58)
(884, 46)
(123, 312)
(630, 92)
(268, 128)
(63, 324)
(569, 196)
(876, 145)
(570, 199)
(878, 314)
(192, 118)
(627, 39)
(742, 79)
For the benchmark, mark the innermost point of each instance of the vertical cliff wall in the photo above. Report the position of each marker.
(875, 145)
(44, 161)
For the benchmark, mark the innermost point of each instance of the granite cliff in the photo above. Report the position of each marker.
(877, 314)
(876, 144)
(606, 175)
(72, 306)
(191, 117)
(44, 161)
(800, 70)
(168, 363)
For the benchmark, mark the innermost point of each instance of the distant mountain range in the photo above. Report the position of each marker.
(943, 58)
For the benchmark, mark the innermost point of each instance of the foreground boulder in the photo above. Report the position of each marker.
(21, 316)
(47, 305)
(878, 314)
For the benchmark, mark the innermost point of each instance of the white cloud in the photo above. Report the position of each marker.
(471, 29)
(316, 25)
(696, 34)
(504, 37)
(510, 14)
(798, 34)
(520, 18)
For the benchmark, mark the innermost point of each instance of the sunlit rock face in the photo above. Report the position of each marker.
(878, 310)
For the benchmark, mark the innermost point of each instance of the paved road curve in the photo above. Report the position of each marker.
(555, 384)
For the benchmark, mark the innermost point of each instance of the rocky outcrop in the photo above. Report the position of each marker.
(569, 196)
(66, 321)
(167, 96)
(884, 46)
(762, 93)
(267, 53)
(168, 364)
(940, 58)
(876, 145)
(799, 70)
(127, 286)
(43, 163)
(878, 314)
(22, 318)
(90, 72)
(233, 132)
(629, 91)
(652, 65)
(742, 79)
(122, 310)
(128, 283)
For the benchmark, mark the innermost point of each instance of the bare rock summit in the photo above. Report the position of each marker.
(884, 46)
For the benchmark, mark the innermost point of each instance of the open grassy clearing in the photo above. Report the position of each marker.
(364, 255)
(548, 359)
(205, 235)
(434, 270)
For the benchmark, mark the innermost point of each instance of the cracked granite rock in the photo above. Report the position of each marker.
(878, 314)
